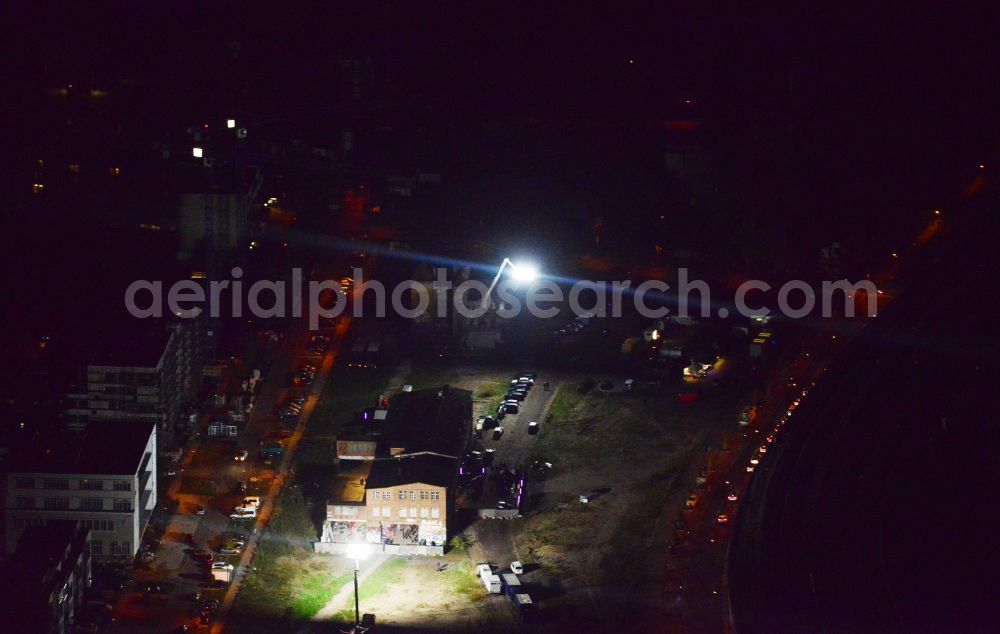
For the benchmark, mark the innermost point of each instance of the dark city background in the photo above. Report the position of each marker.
(608, 141)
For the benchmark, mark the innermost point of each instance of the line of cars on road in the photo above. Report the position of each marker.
(290, 410)
(303, 377)
(318, 346)
(517, 391)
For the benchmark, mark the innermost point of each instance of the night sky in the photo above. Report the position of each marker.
(823, 124)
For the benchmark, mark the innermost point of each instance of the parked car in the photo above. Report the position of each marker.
(511, 406)
(287, 413)
(516, 567)
(201, 555)
(302, 378)
(497, 433)
(517, 395)
(532, 428)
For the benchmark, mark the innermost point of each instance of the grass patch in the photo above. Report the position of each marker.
(388, 573)
(491, 390)
(345, 616)
(465, 581)
(316, 591)
(347, 392)
(426, 377)
(292, 528)
(568, 403)
(288, 580)
(289, 586)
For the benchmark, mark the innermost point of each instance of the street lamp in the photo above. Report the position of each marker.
(357, 552)
(523, 273)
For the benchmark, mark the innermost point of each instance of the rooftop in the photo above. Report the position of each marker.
(426, 468)
(348, 487)
(105, 448)
(436, 420)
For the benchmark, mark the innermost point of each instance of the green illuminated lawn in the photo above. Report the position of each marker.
(288, 581)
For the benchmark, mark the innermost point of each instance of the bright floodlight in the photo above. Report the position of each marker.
(523, 273)
(358, 551)
(196, 152)
(230, 123)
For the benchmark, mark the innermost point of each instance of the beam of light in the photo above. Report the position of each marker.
(653, 298)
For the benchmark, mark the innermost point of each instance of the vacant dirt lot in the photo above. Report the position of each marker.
(637, 457)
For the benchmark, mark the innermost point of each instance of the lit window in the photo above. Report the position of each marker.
(402, 512)
(424, 512)
(36, 188)
(375, 511)
(435, 513)
(413, 511)
(435, 495)
(413, 495)
(424, 495)
(402, 495)
(74, 168)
